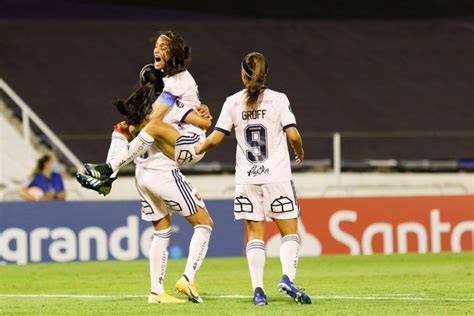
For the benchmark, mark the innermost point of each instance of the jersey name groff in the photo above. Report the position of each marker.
(253, 115)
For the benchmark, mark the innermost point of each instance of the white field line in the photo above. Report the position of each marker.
(392, 297)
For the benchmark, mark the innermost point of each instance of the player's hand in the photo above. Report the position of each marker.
(203, 111)
(133, 131)
(48, 196)
(299, 158)
(197, 149)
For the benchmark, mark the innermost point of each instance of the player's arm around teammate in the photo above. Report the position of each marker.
(171, 56)
(263, 121)
(136, 109)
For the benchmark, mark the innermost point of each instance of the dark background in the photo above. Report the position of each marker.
(395, 78)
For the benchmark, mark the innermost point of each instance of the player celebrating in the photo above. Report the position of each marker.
(162, 188)
(264, 187)
(172, 56)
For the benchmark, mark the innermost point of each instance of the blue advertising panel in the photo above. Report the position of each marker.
(82, 231)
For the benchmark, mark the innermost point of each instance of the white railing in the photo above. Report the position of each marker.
(29, 115)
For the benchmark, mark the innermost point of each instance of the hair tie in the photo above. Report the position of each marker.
(247, 70)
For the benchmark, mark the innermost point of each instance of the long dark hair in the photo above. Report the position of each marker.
(139, 104)
(180, 53)
(256, 68)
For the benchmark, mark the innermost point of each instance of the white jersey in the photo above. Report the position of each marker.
(262, 151)
(181, 91)
(181, 94)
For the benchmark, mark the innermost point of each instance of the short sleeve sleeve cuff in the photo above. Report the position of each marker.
(222, 130)
(288, 126)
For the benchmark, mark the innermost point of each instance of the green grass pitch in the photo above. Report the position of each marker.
(431, 284)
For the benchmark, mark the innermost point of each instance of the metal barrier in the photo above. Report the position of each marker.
(28, 116)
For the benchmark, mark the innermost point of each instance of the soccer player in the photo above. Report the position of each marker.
(264, 188)
(172, 56)
(162, 188)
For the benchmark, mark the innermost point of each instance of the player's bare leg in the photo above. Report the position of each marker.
(290, 244)
(158, 262)
(165, 135)
(202, 223)
(255, 251)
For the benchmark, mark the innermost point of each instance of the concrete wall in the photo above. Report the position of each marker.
(310, 185)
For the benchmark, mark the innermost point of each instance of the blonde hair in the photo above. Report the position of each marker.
(255, 68)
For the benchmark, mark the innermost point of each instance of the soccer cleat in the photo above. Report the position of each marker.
(298, 295)
(183, 286)
(102, 187)
(98, 171)
(163, 298)
(259, 297)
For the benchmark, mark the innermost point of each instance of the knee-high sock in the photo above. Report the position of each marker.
(256, 261)
(290, 245)
(197, 250)
(159, 259)
(117, 143)
(137, 147)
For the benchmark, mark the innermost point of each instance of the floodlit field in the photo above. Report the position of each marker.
(399, 284)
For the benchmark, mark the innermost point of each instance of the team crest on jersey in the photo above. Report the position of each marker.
(179, 104)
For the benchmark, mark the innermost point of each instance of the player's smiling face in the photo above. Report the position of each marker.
(161, 53)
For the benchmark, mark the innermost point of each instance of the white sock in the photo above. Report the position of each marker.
(256, 261)
(117, 143)
(159, 259)
(290, 245)
(197, 250)
(137, 147)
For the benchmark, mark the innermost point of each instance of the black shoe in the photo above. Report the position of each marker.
(98, 171)
(103, 187)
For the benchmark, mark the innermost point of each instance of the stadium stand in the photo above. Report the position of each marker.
(394, 89)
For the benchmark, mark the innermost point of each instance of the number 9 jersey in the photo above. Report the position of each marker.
(262, 151)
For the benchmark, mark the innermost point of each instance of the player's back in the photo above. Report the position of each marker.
(262, 151)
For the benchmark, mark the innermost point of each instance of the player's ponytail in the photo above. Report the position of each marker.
(138, 105)
(255, 68)
(148, 74)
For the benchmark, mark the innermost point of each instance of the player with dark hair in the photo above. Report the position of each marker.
(263, 121)
(171, 56)
(162, 188)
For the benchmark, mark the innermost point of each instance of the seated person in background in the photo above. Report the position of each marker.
(47, 183)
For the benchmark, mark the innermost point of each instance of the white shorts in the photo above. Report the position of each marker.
(184, 152)
(258, 202)
(165, 192)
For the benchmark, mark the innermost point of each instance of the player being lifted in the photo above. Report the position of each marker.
(172, 56)
(162, 187)
(264, 187)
